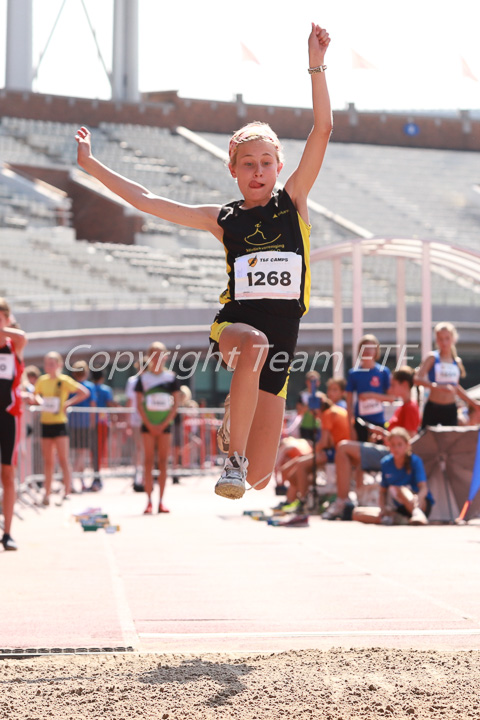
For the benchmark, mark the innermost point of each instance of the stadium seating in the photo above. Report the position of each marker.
(372, 186)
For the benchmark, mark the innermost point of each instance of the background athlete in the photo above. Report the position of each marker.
(12, 344)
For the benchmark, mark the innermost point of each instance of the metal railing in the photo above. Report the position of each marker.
(107, 442)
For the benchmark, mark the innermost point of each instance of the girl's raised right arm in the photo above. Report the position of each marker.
(201, 217)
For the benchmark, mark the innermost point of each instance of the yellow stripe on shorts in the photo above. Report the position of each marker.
(217, 329)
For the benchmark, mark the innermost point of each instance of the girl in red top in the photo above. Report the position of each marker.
(12, 344)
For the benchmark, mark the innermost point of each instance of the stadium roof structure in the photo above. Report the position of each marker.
(458, 264)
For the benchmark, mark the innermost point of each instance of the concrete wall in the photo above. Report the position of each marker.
(133, 330)
(166, 109)
(95, 216)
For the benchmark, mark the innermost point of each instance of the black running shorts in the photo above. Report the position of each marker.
(54, 430)
(282, 334)
(9, 435)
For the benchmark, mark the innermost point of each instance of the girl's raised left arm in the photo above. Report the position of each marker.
(302, 179)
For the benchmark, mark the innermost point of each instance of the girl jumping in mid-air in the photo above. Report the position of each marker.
(266, 240)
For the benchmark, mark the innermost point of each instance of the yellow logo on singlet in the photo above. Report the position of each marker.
(258, 238)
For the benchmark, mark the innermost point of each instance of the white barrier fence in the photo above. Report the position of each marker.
(107, 442)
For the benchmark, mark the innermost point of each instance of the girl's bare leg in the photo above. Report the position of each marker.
(303, 473)
(244, 349)
(9, 495)
(163, 445)
(264, 438)
(63, 451)
(370, 515)
(148, 461)
(48, 453)
(404, 496)
(347, 456)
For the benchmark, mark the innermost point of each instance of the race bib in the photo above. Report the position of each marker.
(369, 407)
(274, 275)
(159, 402)
(7, 367)
(447, 373)
(51, 405)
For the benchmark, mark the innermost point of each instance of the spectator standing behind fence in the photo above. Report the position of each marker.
(404, 482)
(81, 425)
(12, 344)
(31, 462)
(52, 392)
(309, 425)
(134, 423)
(103, 399)
(256, 330)
(440, 372)
(158, 392)
(367, 456)
(30, 377)
(179, 434)
(367, 376)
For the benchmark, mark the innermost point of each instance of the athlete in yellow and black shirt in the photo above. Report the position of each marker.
(265, 236)
(267, 253)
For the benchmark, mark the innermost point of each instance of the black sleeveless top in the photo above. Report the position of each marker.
(274, 228)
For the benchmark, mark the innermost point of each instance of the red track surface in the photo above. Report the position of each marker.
(207, 578)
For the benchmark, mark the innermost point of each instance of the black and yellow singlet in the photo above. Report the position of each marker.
(267, 252)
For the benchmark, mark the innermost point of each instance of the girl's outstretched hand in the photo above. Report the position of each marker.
(318, 42)
(84, 149)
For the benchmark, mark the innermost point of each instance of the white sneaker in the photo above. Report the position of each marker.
(335, 510)
(418, 517)
(223, 432)
(232, 480)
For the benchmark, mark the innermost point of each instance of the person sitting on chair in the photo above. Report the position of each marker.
(298, 471)
(368, 455)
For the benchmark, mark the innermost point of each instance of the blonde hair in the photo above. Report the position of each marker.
(369, 340)
(32, 370)
(187, 393)
(55, 356)
(4, 307)
(157, 347)
(253, 131)
(80, 367)
(450, 328)
(403, 433)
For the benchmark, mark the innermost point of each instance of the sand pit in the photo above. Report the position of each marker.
(331, 685)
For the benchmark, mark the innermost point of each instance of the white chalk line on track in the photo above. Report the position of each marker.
(326, 633)
(125, 618)
(463, 615)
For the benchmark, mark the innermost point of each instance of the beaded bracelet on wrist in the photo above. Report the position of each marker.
(318, 69)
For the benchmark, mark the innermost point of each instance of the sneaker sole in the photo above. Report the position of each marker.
(233, 492)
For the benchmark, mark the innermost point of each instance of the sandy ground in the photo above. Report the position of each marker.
(332, 685)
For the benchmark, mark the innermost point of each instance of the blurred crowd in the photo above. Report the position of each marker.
(345, 449)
